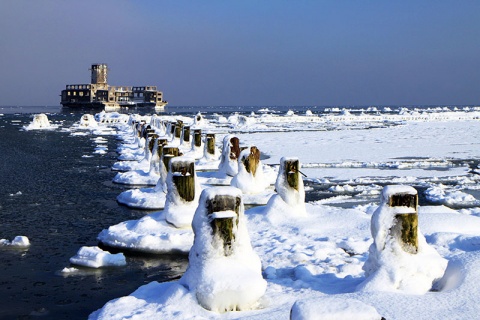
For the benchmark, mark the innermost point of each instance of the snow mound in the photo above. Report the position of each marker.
(228, 162)
(151, 234)
(289, 201)
(393, 265)
(331, 308)
(224, 271)
(249, 182)
(40, 121)
(94, 257)
(88, 121)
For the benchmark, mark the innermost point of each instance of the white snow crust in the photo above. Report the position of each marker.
(309, 257)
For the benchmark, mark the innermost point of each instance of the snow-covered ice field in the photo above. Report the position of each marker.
(312, 256)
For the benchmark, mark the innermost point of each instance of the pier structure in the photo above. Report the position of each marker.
(99, 94)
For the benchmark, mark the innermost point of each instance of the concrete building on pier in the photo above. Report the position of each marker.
(99, 94)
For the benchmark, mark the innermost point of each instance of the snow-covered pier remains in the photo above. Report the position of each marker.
(400, 258)
(314, 261)
(224, 272)
(333, 308)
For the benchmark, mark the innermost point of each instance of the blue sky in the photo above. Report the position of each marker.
(257, 53)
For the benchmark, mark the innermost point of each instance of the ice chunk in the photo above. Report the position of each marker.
(94, 257)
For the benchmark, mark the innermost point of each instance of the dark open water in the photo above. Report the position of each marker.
(61, 201)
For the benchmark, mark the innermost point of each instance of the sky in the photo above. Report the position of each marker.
(246, 52)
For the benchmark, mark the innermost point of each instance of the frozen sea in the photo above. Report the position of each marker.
(57, 190)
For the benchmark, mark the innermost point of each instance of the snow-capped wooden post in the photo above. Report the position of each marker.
(151, 140)
(161, 143)
(186, 134)
(178, 129)
(197, 137)
(183, 176)
(405, 227)
(168, 154)
(149, 130)
(292, 172)
(222, 223)
(139, 127)
(171, 127)
(145, 130)
(210, 142)
(251, 162)
(235, 148)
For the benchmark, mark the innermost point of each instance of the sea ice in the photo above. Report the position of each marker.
(18, 242)
(94, 257)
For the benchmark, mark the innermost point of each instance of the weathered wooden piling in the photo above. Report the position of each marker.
(168, 154)
(292, 172)
(183, 176)
(222, 226)
(405, 226)
(197, 137)
(178, 129)
(161, 143)
(139, 128)
(210, 142)
(234, 148)
(151, 140)
(186, 134)
(145, 130)
(252, 160)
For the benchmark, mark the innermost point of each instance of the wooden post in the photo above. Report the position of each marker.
(151, 140)
(145, 130)
(178, 129)
(252, 160)
(139, 127)
(197, 137)
(292, 173)
(162, 141)
(186, 133)
(160, 147)
(172, 127)
(210, 141)
(183, 176)
(168, 154)
(235, 148)
(405, 227)
(223, 227)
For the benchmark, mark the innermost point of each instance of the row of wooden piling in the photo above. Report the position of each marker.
(405, 228)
